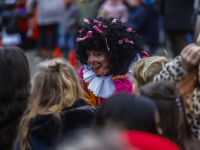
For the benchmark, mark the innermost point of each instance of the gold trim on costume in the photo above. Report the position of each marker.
(99, 101)
(93, 99)
(119, 77)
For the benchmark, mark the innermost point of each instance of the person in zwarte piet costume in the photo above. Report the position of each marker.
(107, 49)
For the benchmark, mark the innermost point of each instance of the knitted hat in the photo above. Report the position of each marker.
(148, 1)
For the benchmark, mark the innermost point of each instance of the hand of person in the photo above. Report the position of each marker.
(190, 56)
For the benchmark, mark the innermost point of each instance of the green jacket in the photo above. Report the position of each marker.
(88, 9)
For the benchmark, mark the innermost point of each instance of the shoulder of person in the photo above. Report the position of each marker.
(78, 106)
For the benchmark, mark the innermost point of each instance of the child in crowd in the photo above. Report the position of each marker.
(183, 70)
(105, 49)
(172, 114)
(146, 69)
(115, 112)
(114, 8)
(55, 108)
(69, 25)
(144, 19)
(14, 92)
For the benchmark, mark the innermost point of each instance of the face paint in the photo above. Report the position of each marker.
(100, 63)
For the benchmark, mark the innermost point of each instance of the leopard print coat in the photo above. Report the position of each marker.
(175, 72)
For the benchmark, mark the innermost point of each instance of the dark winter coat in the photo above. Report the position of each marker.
(178, 15)
(9, 20)
(144, 19)
(45, 130)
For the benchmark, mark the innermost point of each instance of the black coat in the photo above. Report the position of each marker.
(144, 19)
(45, 130)
(9, 20)
(178, 15)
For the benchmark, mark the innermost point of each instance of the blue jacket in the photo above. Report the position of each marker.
(144, 19)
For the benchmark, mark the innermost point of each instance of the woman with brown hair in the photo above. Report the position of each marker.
(172, 114)
(55, 107)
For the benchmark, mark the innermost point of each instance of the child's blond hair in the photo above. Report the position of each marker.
(146, 69)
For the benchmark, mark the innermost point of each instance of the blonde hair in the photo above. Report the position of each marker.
(55, 87)
(146, 69)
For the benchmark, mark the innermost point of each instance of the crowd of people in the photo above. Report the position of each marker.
(117, 97)
(55, 25)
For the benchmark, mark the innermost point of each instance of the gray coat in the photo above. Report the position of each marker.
(49, 11)
(69, 21)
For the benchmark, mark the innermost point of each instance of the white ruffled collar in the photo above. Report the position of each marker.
(102, 86)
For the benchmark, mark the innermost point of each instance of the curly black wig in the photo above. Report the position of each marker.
(119, 53)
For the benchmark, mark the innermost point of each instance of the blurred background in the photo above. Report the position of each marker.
(48, 28)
